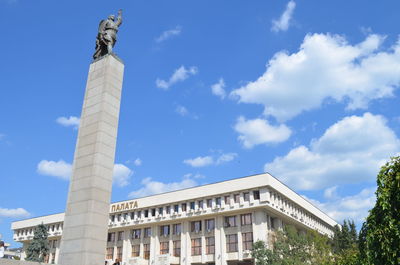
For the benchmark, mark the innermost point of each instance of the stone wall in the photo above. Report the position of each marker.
(17, 262)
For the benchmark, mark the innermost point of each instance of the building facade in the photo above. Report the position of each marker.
(214, 223)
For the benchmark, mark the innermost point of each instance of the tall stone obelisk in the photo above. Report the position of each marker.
(86, 218)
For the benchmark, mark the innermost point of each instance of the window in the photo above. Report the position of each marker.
(53, 258)
(120, 235)
(176, 208)
(247, 239)
(147, 232)
(146, 251)
(52, 228)
(119, 217)
(153, 212)
(164, 248)
(135, 250)
(54, 243)
(192, 205)
(110, 253)
(176, 229)
(168, 210)
(195, 226)
(210, 245)
(132, 215)
(246, 196)
(125, 216)
(218, 201)
(177, 248)
(146, 213)
(210, 224)
(111, 237)
(196, 246)
(256, 194)
(119, 253)
(139, 214)
(231, 243)
(136, 233)
(230, 221)
(200, 204)
(164, 230)
(183, 207)
(209, 203)
(245, 219)
(112, 217)
(160, 210)
(236, 198)
(227, 200)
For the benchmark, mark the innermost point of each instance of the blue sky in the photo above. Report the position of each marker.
(305, 90)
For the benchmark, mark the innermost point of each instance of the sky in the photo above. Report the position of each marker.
(213, 90)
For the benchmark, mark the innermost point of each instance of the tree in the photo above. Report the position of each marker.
(381, 231)
(38, 249)
(260, 253)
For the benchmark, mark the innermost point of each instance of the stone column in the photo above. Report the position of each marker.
(86, 217)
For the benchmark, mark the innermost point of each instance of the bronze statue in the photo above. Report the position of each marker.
(107, 35)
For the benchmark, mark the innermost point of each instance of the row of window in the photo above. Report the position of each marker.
(195, 227)
(29, 231)
(196, 246)
(184, 207)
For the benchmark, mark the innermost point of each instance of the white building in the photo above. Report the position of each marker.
(215, 223)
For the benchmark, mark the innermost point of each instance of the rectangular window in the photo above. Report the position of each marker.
(200, 204)
(136, 233)
(54, 243)
(168, 210)
(164, 248)
(160, 210)
(230, 221)
(164, 230)
(183, 207)
(209, 203)
(110, 253)
(245, 219)
(119, 217)
(246, 196)
(120, 235)
(177, 229)
(218, 201)
(231, 243)
(132, 215)
(256, 194)
(227, 200)
(210, 224)
(210, 245)
(153, 212)
(247, 239)
(177, 248)
(53, 258)
(192, 205)
(139, 214)
(195, 226)
(146, 251)
(135, 250)
(119, 253)
(111, 237)
(196, 246)
(176, 208)
(236, 198)
(112, 217)
(147, 232)
(125, 216)
(146, 213)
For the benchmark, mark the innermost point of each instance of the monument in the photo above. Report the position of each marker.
(86, 218)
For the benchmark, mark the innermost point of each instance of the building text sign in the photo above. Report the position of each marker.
(124, 206)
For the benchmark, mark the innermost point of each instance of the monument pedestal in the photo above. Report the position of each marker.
(85, 228)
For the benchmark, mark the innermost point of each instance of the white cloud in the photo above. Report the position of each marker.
(154, 187)
(200, 161)
(121, 175)
(137, 162)
(259, 131)
(283, 23)
(169, 33)
(14, 213)
(67, 122)
(331, 193)
(203, 161)
(325, 68)
(63, 170)
(354, 207)
(179, 75)
(350, 151)
(59, 169)
(181, 110)
(218, 88)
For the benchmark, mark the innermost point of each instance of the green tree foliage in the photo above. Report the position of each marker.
(380, 235)
(292, 247)
(344, 244)
(38, 249)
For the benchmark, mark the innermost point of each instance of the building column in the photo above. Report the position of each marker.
(220, 244)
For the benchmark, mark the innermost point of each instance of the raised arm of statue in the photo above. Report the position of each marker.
(119, 18)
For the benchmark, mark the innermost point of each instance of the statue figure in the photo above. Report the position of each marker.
(107, 35)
